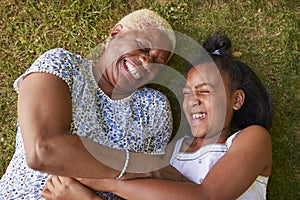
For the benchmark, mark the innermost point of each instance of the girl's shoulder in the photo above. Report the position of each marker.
(254, 133)
(254, 140)
(253, 144)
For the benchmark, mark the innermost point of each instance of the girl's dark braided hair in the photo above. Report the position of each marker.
(257, 107)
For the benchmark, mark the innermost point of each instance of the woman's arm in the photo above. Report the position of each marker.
(45, 113)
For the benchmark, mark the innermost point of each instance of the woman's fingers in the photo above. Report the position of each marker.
(56, 180)
(46, 194)
(49, 184)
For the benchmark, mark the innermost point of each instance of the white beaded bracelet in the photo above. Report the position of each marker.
(125, 165)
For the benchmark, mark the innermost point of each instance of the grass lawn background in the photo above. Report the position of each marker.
(265, 32)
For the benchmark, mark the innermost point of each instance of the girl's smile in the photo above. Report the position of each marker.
(206, 103)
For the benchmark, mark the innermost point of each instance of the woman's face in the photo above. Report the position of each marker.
(133, 58)
(207, 102)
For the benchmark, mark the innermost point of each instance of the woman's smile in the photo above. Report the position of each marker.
(132, 70)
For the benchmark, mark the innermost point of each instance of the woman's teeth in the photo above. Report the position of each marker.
(198, 115)
(132, 70)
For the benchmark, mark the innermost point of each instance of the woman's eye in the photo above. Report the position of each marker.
(142, 46)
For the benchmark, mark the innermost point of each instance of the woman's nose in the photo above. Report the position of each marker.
(150, 56)
(148, 59)
(153, 54)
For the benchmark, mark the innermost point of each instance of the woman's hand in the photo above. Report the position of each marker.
(65, 188)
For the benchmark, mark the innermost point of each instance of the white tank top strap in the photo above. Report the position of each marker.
(177, 148)
(231, 138)
(263, 179)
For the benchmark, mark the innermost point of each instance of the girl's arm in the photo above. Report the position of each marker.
(250, 155)
(61, 188)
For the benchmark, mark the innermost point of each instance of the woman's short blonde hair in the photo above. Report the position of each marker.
(145, 18)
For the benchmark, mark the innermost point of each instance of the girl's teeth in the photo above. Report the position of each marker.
(198, 115)
(132, 70)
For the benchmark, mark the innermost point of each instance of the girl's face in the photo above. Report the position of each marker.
(207, 103)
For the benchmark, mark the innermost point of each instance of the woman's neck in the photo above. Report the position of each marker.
(103, 81)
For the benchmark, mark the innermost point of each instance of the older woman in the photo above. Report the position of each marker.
(65, 99)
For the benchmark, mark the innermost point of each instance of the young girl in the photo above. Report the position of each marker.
(230, 154)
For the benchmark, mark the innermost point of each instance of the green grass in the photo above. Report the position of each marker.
(266, 32)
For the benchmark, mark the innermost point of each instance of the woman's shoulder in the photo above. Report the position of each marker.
(57, 61)
(56, 54)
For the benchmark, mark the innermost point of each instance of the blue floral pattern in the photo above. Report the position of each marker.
(141, 122)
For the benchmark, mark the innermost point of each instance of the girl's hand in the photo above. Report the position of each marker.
(65, 188)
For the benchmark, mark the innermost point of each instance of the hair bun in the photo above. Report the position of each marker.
(218, 44)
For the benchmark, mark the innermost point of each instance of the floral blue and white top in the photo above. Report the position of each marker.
(141, 122)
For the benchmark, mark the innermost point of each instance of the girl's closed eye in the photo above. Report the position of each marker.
(203, 92)
(205, 89)
(186, 91)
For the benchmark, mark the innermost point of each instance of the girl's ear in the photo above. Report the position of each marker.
(239, 98)
(117, 29)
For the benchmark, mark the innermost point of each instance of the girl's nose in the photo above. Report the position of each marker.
(193, 101)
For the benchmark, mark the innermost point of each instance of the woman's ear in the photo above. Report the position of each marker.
(239, 98)
(115, 31)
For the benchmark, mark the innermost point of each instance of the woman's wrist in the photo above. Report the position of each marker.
(125, 166)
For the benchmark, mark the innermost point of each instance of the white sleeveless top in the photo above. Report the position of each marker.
(195, 166)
